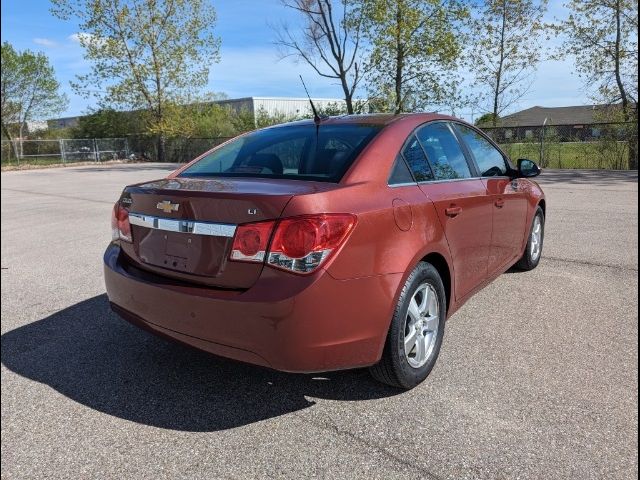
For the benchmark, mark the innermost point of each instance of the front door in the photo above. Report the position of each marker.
(464, 209)
(508, 200)
(509, 218)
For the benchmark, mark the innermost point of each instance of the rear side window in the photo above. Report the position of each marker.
(400, 173)
(299, 152)
(444, 152)
(416, 159)
(489, 159)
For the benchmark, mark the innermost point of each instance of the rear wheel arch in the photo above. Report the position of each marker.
(395, 367)
(442, 266)
(543, 205)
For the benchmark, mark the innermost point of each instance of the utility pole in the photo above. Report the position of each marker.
(542, 143)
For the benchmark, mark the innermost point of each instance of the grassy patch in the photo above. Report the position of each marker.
(31, 166)
(31, 161)
(598, 155)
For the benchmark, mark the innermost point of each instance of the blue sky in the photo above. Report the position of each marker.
(249, 65)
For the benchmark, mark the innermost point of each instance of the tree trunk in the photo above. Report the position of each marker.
(347, 93)
(20, 139)
(633, 149)
(398, 92)
(399, 101)
(162, 148)
(633, 146)
(349, 101)
(496, 95)
(12, 142)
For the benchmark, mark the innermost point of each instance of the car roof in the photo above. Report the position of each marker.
(381, 119)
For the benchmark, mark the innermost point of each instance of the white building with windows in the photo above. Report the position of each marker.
(276, 106)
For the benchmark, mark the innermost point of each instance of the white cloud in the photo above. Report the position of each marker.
(83, 37)
(77, 37)
(45, 42)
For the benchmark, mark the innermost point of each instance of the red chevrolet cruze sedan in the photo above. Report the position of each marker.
(312, 247)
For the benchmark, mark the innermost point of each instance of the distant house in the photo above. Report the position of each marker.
(582, 122)
(577, 115)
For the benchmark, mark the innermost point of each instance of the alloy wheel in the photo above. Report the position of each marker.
(536, 238)
(421, 325)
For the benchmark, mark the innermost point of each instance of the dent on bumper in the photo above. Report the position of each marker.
(285, 321)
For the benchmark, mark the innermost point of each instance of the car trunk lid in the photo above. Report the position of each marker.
(183, 227)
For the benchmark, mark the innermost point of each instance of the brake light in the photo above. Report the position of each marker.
(302, 244)
(120, 226)
(250, 241)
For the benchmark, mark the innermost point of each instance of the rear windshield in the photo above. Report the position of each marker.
(299, 152)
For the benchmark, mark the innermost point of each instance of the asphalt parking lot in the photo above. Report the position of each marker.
(537, 377)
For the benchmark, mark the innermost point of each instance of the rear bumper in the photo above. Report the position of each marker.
(284, 321)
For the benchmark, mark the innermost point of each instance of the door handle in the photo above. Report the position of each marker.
(453, 211)
(499, 203)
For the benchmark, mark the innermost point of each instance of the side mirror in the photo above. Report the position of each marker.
(528, 168)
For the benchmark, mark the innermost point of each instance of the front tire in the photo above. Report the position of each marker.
(532, 254)
(416, 332)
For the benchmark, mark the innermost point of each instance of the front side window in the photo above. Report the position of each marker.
(444, 152)
(489, 159)
(299, 152)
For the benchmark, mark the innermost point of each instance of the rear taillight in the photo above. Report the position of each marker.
(250, 241)
(120, 226)
(300, 244)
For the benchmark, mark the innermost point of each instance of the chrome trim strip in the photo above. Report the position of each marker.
(448, 180)
(185, 226)
(405, 184)
(462, 179)
(424, 182)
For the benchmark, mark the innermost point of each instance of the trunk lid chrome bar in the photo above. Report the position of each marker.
(184, 226)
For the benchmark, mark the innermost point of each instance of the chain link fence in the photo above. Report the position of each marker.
(133, 148)
(177, 149)
(47, 152)
(612, 146)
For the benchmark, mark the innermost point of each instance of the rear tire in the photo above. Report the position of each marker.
(416, 331)
(533, 253)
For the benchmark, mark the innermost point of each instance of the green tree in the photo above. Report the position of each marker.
(329, 41)
(414, 48)
(505, 50)
(602, 37)
(108, 123)
(486, 119)
(145, 54)
(29, 91)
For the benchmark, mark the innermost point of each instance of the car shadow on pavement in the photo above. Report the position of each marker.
(93, 357)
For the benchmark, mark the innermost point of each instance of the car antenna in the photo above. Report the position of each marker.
(316, 117)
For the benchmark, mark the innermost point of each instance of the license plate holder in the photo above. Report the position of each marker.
(177, 251)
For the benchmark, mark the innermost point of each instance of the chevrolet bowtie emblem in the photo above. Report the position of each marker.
(167, 207)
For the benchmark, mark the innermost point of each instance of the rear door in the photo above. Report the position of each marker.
(508, 199)
(461, 201)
